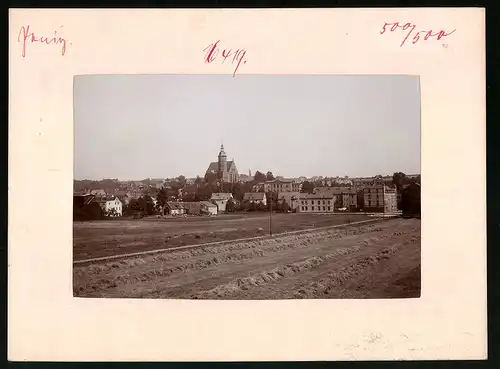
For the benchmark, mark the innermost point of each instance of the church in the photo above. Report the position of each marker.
(223, 169)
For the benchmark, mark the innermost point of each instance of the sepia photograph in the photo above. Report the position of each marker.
(254, 187)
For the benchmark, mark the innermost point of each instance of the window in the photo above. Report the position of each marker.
(328, 208)
(302, 208)
(312, 208)
(324, 208)
(302, 202)
(328, 204)
(323, 202)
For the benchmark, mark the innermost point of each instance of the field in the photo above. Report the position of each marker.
(104, 238)
(376, 259)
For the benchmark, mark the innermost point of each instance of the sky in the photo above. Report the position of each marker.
(133, 127)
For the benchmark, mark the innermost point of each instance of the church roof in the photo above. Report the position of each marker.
(214, 166)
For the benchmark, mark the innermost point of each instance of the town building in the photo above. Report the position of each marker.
(291, 198)
(316, 203)
(224, 170)
(256, 197)
(220, 199)
(282, 185)
(174, 208)
(124, 196)
(390, 200)
(208, 208)
(347, 197)
(110, 205)
(379, 199)
(192, 207)
(99, 193)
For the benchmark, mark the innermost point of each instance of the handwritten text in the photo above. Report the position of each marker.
(213, 53)
(411, 31)
(26, 36)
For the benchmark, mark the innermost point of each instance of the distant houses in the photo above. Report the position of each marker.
(174, 208)
(380, 198)
(221, 199)
(316, 203)
(255, 197)
(282, 185)
(290, 198)
(111, 205)
(347, 197)
(208, 208)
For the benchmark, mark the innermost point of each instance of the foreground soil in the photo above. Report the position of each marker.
(114, 237)
(374, 260)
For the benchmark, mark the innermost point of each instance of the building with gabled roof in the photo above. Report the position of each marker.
(220, 199)
(257, 197)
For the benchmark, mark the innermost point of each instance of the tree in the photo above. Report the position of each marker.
(269, 176)
(285, 207)
(146, 205)
(261, 207)
(203, 193)
(307, 187)
(231, 206)
(161, 199)
(210, 178)
(181, 180)
(259, 177)
(398, 179)
(198, 181)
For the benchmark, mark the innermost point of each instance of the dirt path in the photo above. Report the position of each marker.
(369, 261)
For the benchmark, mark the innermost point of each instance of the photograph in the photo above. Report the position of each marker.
(247, 187)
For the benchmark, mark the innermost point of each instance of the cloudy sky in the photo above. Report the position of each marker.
(157, 126)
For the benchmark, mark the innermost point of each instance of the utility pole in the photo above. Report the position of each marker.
(270, 213)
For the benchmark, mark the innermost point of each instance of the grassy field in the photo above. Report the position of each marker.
(114, 237)
(370, 260)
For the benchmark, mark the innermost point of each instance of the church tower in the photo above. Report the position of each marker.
(222, 162)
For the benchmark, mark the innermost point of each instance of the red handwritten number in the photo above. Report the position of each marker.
(416, 36)
(26, 36)
(212, 51)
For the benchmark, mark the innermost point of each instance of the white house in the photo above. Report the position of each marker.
(256, 197)
(208, 208)
(111, 205)
(174, 208)
(221, 199)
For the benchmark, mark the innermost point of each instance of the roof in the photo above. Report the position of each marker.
(221, 196)
(121, 193)
(207, 203)
(103, 199)
(214, 166)
(254, 196)
(335, 190)
(173, 205)
(281, 180)
(290, 195)
(191, 204)
(304, 196)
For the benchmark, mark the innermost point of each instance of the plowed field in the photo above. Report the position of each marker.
(371, 260)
